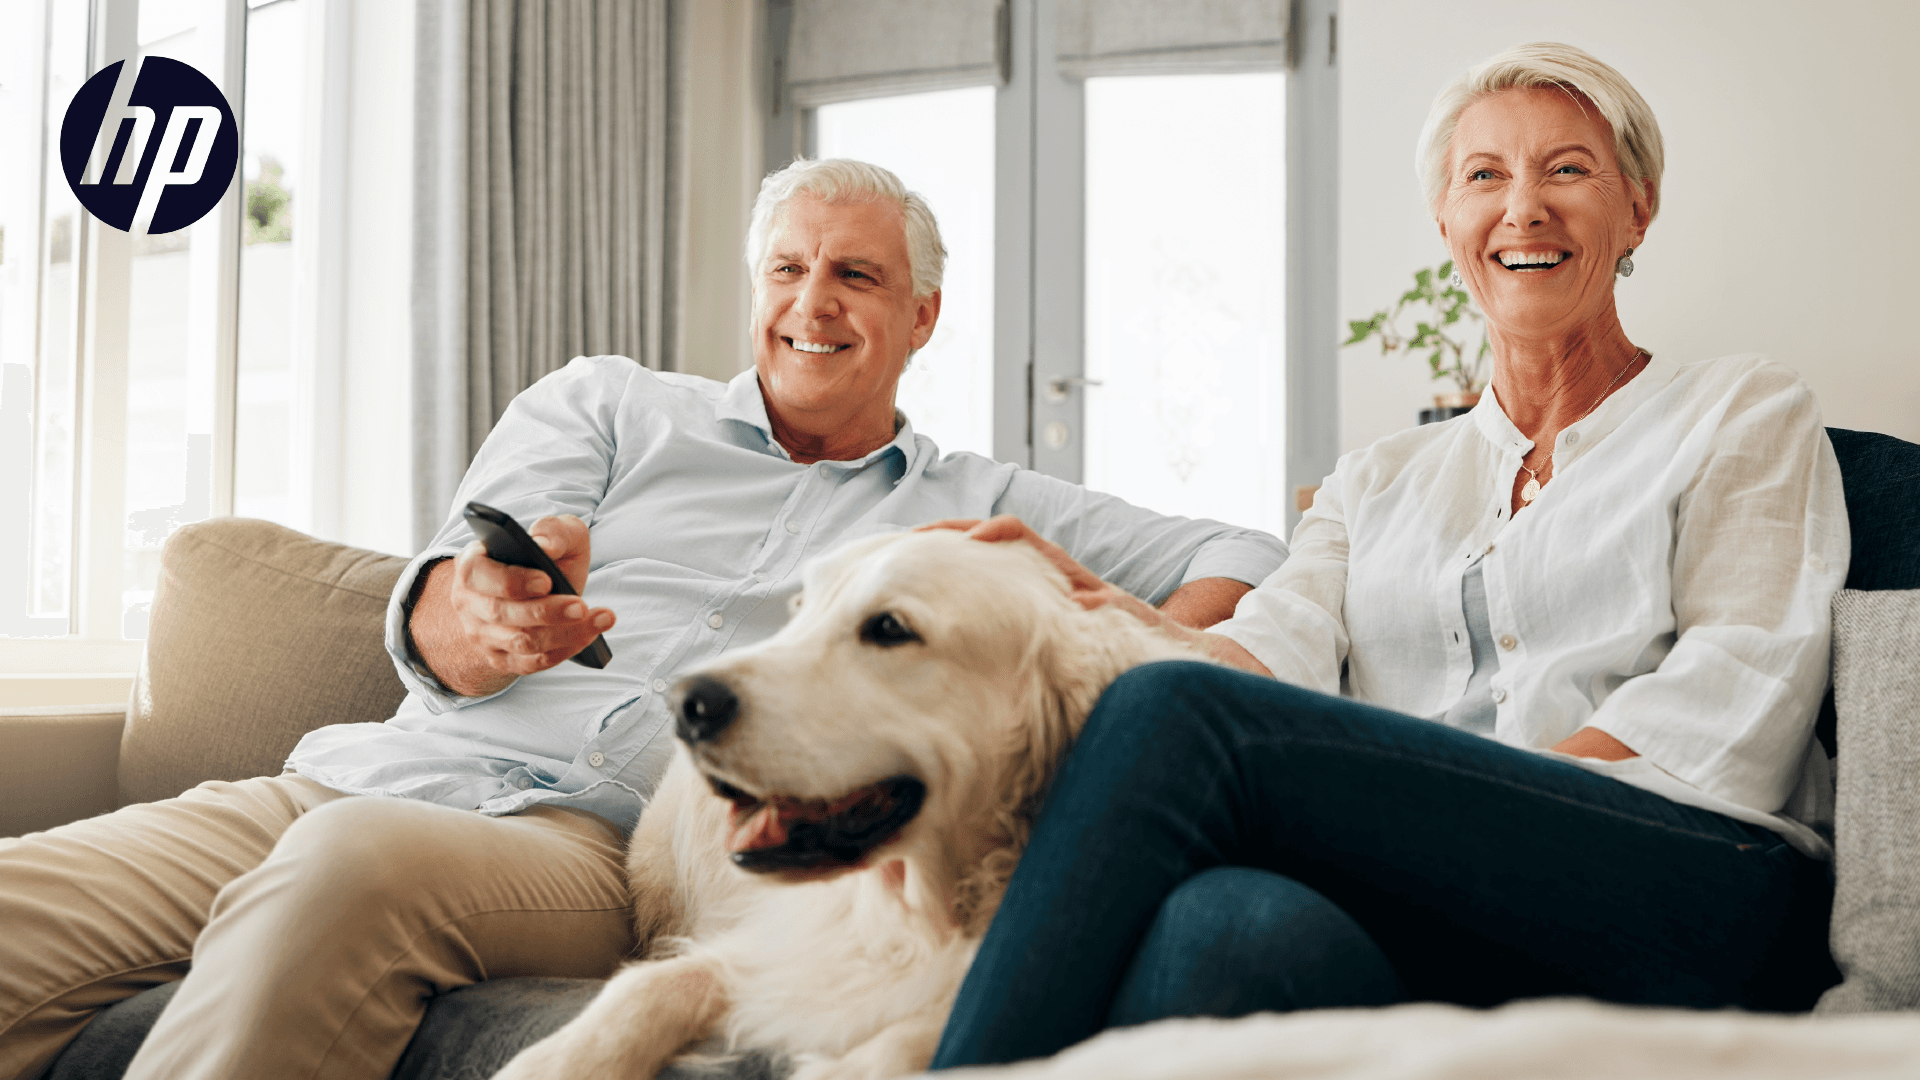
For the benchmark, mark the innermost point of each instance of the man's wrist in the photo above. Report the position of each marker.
(418, 588)
(1204, 601)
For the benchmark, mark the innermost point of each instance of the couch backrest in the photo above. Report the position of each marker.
(1881, 475)
(258, 635)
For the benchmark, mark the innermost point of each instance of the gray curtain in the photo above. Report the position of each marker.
(549, 204)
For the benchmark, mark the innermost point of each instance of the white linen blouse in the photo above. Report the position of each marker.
(1670, 586)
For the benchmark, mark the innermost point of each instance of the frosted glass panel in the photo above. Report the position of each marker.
(43, 62)
(265, 433)
(1186, 294)
(940, 145)
(173, 279)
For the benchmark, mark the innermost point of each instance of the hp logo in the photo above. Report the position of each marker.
(123, 174)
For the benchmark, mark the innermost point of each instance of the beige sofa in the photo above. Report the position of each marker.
(259, 634)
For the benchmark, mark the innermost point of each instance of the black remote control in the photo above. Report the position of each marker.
(508, 543)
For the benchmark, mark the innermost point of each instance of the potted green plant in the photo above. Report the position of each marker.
(1445, 324)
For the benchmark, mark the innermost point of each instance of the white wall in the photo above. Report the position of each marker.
(1787, 222)
(723, 175)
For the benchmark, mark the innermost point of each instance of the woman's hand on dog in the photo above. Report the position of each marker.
(1090, 592)
(1087, 589)
(481, 624)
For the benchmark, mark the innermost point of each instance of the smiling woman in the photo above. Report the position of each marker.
(1542, 193)
(1535, 730)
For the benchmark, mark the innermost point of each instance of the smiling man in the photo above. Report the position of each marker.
(479, 832)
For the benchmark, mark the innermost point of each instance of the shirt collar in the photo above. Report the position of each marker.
(1498, 429)
(743, 402)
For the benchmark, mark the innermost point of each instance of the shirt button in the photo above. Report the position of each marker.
(1489, 550)
(716, 621)
(522, 783)
(793, 526)
(1573, 438)
(596, 759)
(1507, 642)
(1499, 695)
(659, 686)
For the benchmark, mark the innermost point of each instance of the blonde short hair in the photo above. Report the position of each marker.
(1549, 64)
(840, 180)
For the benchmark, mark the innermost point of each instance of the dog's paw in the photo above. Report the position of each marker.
(815, 1067)
(548, 1059)
(852, 1067)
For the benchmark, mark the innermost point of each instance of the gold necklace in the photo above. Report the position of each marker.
(1531, 490)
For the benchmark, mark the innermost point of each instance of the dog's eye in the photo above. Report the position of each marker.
(886, 631)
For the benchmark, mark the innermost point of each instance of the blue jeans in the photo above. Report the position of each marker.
(1219, 844)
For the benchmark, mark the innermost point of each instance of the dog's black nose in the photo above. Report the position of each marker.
(705, 709)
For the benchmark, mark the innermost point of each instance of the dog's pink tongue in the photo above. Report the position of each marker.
(760, 829)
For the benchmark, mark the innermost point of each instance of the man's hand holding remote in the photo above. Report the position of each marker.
(480, 624)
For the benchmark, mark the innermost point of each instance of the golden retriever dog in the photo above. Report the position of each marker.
(846, 806)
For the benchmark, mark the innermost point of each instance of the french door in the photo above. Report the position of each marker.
(1137, 204)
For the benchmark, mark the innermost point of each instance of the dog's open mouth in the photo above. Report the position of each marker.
(784, 833)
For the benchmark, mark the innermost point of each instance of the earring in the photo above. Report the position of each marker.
(1625, 266)
(1456, 280)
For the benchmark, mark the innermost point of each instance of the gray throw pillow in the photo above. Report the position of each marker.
(1876, 905)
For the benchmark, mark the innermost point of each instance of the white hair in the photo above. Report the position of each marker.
(843, 180)
(1545, 64)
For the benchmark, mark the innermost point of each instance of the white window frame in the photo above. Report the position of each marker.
(93, 648)
(1040, 240)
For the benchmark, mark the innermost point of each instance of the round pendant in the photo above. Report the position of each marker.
(1530, 492)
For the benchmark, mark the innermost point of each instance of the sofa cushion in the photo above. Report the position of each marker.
(468, 1034)
(258, 635)
(1881, 476)
(1876, 906)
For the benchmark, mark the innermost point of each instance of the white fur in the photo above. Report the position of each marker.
(1533, 1040)
(854, 974)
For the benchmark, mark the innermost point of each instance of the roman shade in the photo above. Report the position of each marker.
(1150, 37)
(842, 50)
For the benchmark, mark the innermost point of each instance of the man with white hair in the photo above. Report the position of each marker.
(317, 923)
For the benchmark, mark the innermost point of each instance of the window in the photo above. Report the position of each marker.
(122, 358)
(941, 145)
(267, 440)
(1158, 179)
(1186, 306)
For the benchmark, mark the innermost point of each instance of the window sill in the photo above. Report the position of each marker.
(65, 691)
(70, 656)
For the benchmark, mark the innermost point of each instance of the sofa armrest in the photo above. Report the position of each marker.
(58, 763)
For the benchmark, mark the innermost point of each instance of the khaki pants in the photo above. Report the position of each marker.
(316, 924)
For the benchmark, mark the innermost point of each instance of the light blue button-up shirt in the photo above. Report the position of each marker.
(700, 523)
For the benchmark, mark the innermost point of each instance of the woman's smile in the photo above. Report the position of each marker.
(1530, 262)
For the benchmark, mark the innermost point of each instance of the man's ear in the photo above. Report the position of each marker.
(926, 313)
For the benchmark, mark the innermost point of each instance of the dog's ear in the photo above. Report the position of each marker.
(1071, 658)
(1075, 656)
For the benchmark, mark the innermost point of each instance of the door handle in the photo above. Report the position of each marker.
(1059, 389)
